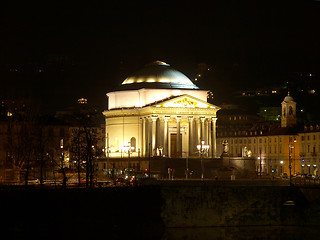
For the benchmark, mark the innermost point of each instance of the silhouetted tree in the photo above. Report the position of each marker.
(20, 141)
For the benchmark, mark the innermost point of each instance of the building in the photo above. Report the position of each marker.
(274, 147)
(158, 111)
(309, 160)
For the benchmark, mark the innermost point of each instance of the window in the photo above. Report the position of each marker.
(280, 148)
(260, 140)
(302, 138)
(280, 139)
(290, 110)
(133, 144)
(275, 149)
(275, 139)
(314, 137)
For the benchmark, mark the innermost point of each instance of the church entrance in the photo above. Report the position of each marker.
(175, 152)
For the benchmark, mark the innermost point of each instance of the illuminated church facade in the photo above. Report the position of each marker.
(158, 111)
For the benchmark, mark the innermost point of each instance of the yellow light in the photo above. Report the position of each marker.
(164, 80)
(151, 80)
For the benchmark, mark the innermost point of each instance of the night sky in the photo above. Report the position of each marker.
(58, 52)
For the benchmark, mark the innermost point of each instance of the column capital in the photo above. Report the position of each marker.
(166, 118)
(214, 119)
(202, 118)
(154, 118)
(178, 118)
(190, 118)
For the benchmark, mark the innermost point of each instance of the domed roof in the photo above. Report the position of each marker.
(288, 98)
(158, 75)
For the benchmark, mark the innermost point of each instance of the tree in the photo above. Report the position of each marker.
(86, 141)
(20, 141)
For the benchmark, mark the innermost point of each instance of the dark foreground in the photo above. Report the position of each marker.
(167, 210)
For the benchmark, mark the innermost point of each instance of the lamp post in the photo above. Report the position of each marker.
(128, 148)
(294, 165)
(202, 148)
(291, 146)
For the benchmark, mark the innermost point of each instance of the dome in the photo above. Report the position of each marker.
(158, 75)
(288, 98)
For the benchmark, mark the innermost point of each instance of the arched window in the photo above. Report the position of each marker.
(133, 144)
(290, 110)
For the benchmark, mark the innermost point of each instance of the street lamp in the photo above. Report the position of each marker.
(129, 149)
(291, 146)
(294, 165)
(202, 148)
(259, 158)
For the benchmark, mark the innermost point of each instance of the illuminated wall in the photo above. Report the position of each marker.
(142, 97)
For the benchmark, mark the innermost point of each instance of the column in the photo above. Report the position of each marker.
(165, 136)
(202, 129)
(153, 136)
(191, 136)
(143, 137)
(206, 135)
(198, 131)
(210, 137)
(178, 137)
(214, 137)
(147, 139)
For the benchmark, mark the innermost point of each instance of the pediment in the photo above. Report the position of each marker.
(184, 101)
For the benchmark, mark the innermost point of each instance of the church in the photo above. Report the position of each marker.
(158, 111)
